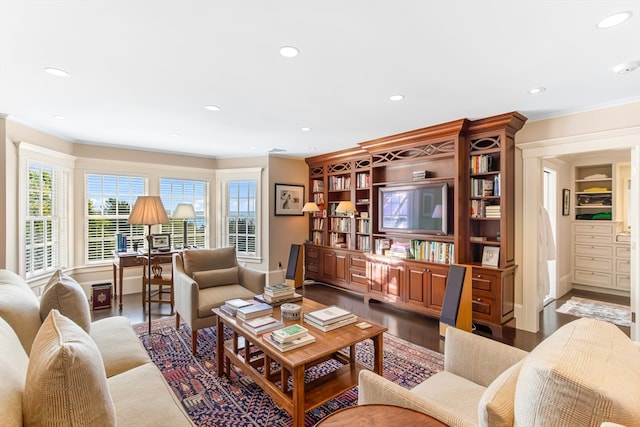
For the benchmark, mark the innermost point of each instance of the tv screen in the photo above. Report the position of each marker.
(420, 209)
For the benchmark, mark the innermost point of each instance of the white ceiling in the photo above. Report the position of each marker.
(141, 71)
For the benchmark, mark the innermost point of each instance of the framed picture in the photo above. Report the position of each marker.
(491, 256)
(566, 196)
(289, 199)
(160, 241)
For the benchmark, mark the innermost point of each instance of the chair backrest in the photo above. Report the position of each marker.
(208, 259)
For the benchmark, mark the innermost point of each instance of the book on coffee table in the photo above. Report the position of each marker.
(260, 325)
(254, 310)
(331, 326)
(289, 333)
(327, 315)
(297, 343)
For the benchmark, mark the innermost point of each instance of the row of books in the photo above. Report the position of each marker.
(425, 250)
(483, 187)
(339, 182)
(481, 164)
(363, 243)
(340, 224)
(481, 209)
(363, 180)
(318, 198)
(317, 185)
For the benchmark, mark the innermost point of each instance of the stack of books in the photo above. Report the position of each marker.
(400, 250)
(260, 325)
(492, 211)
(329, 318)
(278, 291)
(290, 337)
(274, 302)
(253, 310)
(231, 306)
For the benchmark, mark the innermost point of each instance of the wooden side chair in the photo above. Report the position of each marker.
(161, 281)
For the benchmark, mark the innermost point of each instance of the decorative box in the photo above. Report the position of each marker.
(101, 295)
(290, 311)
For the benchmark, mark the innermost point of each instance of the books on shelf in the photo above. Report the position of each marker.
(231, 306)
(352, 318)
(290, 333)
(296, 343)
(258, 309)
(425, 250)
(481, 164)
(260, 325)
(328, 315)
(274, 302)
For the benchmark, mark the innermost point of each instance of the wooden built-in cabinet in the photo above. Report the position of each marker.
(475, 159)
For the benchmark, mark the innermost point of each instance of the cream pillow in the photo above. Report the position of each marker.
(13, 371)
(66, 295)
(219, 277)
(496, 404)
(66, 383)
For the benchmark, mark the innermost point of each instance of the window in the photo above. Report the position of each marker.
(109, 200)
(174, 191)
(239, 210)
(47, 205)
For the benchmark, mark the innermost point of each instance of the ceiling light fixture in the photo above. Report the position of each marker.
(625, 68)
(396, 97)
(305, 129)
(212, 107)
(536, 90)
(56, 72)
(615, 19)
(289, 51)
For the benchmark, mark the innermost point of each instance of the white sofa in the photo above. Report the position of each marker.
(55, 372)
(585, 374)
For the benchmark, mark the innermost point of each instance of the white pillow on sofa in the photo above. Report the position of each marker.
(66, 384)
(66, 295)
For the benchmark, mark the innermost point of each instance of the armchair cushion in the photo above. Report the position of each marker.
(496, 404)
(213, 297)
(64, 294)
(66, 382)
(203, 259)
(583, 374)
(217, 277)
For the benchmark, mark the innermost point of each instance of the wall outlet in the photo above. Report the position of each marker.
(279, 265)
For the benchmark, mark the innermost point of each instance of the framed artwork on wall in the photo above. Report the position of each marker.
(289, 199)
(566, 195)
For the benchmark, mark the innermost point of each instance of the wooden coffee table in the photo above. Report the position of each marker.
(255, 359)
(379, 415)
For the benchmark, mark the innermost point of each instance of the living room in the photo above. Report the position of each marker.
(570, 135)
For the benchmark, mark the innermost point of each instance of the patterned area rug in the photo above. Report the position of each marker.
(237, 401)
(609, 312)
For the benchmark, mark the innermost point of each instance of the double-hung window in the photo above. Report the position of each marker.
(45, 224)
(240, 211)
(109, 200)
(174, 191)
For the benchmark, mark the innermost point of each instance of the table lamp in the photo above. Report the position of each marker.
(184, 211)
(148, 210)
(346, 207)
(310, 207)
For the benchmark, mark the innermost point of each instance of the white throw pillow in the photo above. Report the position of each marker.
(66, 295)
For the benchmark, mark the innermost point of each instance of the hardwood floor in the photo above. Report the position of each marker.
(415, 328)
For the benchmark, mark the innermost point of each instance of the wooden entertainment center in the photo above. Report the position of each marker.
(408, 267)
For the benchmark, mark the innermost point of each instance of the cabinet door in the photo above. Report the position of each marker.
(376, 277)
(437, 285)
(394, 280)
(329, 264)
(342, 268)
(417, 284)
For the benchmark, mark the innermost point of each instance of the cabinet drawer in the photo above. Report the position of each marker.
(590, 263)
(358, 262)
(592, 238)
(313, 268)
(623, 252)
(623, 266)
(593, 250)
(483, 307)
(623, 281)
(593, 229)
(313, 253)
(359, 278)
(593, 278)
(483, 281)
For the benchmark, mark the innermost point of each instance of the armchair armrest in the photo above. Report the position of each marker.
(253, 280)
(477, 358)
(374, 389)
(186, 293)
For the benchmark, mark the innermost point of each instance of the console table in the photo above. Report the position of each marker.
(122, 260)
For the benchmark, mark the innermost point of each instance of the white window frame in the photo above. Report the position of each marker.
(201, 207)
(134, 233)
(223, 177)
(61, 166)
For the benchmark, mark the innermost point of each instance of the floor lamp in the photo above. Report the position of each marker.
(148, 211)
(184, 211)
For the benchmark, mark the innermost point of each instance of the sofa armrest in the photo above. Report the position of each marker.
(253, 280)
(374, 389)
(477, 358)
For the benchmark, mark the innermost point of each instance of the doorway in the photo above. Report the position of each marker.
(550, 203)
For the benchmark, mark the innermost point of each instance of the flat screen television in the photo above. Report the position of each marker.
(416, 209)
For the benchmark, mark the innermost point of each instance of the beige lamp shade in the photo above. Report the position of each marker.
(345, 207)
(148, 210)
(310, 207)
(184, 210)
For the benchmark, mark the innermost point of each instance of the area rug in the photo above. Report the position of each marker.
(609, 312)
(237, 401)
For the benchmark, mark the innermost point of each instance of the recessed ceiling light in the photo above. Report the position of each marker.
(305, 129)
(289, 51)
(212, 107)
(536, 90)
(56, 72)
(615, 19)
(313, 148)
(62, 117)
(396, 97)
(625, 68)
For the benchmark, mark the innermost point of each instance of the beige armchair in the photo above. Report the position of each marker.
(205, 279)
